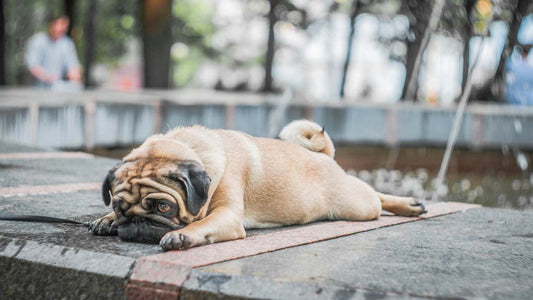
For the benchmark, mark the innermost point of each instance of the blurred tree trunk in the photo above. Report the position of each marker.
(2, 44)
(90, 42)
(418, 13)
(520, 10)
(156, 36)
(271, 45)
(468, 32)
(68, 6)
(354, 11)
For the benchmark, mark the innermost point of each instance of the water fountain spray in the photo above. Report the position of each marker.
(458, 118)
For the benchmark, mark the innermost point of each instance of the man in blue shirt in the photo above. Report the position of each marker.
(519, 79)
(51, 57)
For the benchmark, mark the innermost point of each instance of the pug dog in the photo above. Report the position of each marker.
(194, 186)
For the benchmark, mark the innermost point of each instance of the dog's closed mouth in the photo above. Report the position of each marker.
(143, 230)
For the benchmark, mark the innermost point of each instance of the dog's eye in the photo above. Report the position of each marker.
(162, 207)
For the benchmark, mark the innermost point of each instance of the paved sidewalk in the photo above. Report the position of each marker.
(457, 251)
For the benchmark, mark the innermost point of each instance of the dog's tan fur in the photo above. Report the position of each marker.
(255, 182)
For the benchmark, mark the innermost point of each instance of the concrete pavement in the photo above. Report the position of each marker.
(457, 251)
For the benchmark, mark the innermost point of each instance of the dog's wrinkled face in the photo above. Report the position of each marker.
(154, 194)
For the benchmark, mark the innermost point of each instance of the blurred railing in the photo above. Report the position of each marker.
(109, 119)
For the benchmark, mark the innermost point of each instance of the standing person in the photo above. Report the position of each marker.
(519, 79)
(51, 57)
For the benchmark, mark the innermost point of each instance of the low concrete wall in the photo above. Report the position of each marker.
(106, 118)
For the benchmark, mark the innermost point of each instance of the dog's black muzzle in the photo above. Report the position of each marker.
(142, 230)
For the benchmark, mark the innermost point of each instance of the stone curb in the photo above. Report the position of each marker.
(62, 268)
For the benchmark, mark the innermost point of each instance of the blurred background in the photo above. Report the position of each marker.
(384, 76)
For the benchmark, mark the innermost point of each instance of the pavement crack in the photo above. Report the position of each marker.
(21, 244)
(4, 243)
(130, 272)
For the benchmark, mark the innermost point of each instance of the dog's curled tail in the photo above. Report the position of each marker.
(309, 135)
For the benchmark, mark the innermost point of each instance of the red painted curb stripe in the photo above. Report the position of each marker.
(136, 292)
(153, 279)
(48, 189)
(167, 274)
(45, 155)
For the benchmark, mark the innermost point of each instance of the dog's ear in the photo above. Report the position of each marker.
(108, 181)
(196, 185)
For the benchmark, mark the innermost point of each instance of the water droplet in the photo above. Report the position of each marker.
(442, 190)
(472, 195)
(465, 184)
(518, 126)
(422, 175)
(515, 184)
(395, 175)
(522, 200)
(525, 185)
(521, 160)
(456, 188)
(501, 200)
(479, 190)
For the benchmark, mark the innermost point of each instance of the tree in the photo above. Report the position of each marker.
(467, 35)
(279, 9)
(2, 44)
(156, 36)
(418, 13)
(69, 8)
(90, 42)
(354, 11)
(271, 44)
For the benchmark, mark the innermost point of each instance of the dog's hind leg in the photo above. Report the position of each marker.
(402, 206)
(354, 200)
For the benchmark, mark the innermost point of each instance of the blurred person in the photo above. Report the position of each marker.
(52, 59)
(519, 79)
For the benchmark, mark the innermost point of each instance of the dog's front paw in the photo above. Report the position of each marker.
(104, 226)
(180, 240)
(416, 208)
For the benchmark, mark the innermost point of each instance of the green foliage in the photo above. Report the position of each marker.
(116, 24)
(195, 15)
(184, 69)
(192, 29)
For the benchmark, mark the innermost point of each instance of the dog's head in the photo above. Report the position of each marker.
(158, 187)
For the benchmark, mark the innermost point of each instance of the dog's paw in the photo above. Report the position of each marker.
(103, 226)
(183, 239)
(415, 208)
(405, 206)
(175, 240)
